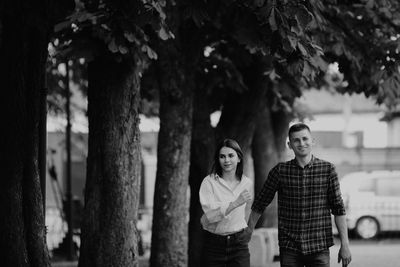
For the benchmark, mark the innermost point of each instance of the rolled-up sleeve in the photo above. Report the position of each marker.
(267, 193)
(334, 195)
(213, 210)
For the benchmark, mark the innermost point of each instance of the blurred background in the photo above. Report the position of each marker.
(118, 106)
(351, 131)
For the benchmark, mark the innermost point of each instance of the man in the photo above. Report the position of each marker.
(308, 192)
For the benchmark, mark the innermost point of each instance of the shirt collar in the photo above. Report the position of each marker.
(216, 176)
(221, 180)
(295, 162)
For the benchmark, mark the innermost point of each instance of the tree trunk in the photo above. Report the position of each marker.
(239, 117)
(202, 153)
(241, 110)
(176, 67)
(268, 148)
(265, 157)
(109, 235)
(24, 36)
(280, 125)
(169, 244)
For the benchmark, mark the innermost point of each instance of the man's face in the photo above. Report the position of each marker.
(301, 143)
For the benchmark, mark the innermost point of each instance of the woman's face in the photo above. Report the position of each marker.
(228, 159)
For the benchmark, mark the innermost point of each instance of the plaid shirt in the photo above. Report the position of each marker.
(306, 198)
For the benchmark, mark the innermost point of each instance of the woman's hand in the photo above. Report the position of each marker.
(242, 198)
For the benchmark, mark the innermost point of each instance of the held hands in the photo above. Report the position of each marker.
(242, 198)
(248, 233)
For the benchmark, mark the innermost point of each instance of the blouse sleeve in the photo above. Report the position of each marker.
(213, 210)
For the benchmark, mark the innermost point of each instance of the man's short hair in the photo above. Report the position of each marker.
(297, 128)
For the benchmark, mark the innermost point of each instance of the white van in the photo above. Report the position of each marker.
(372, 201)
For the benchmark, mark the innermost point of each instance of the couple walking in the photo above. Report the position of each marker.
(308, 193)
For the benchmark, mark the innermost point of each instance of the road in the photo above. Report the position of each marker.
(384, 252)
(381, 253)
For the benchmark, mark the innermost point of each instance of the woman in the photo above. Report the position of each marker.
(225, 196)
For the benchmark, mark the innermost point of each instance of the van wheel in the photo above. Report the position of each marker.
(367, 227)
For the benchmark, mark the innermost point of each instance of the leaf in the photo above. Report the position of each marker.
(304, 17)
(130, 37)
(296, 29)
(150, 52)
(308, 71)
(293, 41)
(319, 62)
(62, 26)
(112, 46)
(272, 75)
(163, 34)
(295, 68)
(272, 20)
(85, 16)
(287, 46)
(338, 49)
(302, 49)
(319, 51)
(370, 4)
(123, 50)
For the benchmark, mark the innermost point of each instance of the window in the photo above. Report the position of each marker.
(367, 185)
(388, 186)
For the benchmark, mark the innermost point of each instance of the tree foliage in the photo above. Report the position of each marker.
(299, 39)
(363, 37)
(121, 26)
(296, 40)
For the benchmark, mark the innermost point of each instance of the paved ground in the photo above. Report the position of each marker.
(143, 262)
(381, 253)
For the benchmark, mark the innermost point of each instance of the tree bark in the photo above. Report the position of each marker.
(241, 109)
(24, 34)
(265, 156)
(280, 125)
(268, 148)
(109, 234)
(176, 66)
(202, 153)
(170, 216)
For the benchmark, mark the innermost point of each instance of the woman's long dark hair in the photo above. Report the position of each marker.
(216, 168)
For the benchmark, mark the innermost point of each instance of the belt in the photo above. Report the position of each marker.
(223, 237)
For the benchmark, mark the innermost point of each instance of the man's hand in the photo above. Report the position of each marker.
(248, 233)
(344, 255)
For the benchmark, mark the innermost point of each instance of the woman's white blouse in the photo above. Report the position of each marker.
(215, 197)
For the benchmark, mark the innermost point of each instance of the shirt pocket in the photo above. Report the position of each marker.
(319, 191)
